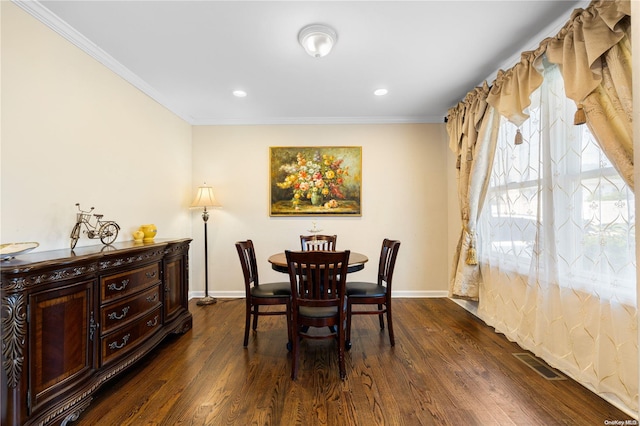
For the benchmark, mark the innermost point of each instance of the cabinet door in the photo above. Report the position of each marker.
(62, 340)
(175, 293)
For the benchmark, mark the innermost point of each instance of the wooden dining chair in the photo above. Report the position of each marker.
(257, 294)
(378, 293)
(318, 280)
(318, 242)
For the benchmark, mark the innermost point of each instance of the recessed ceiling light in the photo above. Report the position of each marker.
(380, 92)
(239, 93)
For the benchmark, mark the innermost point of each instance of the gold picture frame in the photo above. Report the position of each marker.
(315, 181)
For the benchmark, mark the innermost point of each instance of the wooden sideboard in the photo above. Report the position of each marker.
(72, 320)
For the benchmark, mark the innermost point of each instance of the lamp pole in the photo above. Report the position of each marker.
(205, 198)
(206, 300)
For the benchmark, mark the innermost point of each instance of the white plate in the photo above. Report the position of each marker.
(10, 250)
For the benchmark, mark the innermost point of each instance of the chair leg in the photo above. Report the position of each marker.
(341, 346)
(390, 324)
(348, 333)
(255, 316)
(380, 317)
(289, 328)
(294, 351)
(246, 323)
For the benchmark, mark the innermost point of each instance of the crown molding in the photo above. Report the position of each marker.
(51, 20)
(316, 121)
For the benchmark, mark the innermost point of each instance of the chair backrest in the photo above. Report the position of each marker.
(318, 278)
(318, 242)
(247, 256)
(387, 263)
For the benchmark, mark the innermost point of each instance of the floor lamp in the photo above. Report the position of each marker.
(204, 198)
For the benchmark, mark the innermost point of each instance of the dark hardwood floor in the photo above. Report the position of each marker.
(447, 368)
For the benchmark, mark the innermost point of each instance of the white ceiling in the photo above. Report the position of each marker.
(191, 55)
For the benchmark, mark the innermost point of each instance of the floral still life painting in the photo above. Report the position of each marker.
(316, 181)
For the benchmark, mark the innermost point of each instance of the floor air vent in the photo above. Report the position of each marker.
(539, 367)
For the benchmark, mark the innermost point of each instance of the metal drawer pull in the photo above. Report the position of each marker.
(93, 326)
(114, 286)
(114, 345)
(152, 298)
(114, 315)
(153, 323)
(150, 274)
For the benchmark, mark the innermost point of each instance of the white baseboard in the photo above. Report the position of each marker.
(217, 294)
(423, 294)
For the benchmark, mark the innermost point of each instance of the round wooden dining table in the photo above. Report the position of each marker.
(356, 262)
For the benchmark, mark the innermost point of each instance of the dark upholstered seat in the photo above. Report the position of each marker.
(257, 294)
(270, 290)
(365, 289)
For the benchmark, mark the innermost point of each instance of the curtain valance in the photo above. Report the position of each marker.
(511, 90)
(578, 48)
(465, 118)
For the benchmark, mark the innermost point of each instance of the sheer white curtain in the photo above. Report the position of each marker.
(558, 249)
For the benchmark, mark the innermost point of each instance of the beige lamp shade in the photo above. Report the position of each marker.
(205, 198)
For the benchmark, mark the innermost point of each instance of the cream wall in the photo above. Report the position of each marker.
(73, 131)
(404, 196)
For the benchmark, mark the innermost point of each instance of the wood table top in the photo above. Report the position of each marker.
(356, 261)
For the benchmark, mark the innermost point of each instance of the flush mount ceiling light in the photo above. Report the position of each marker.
(239, 93)
(317, 40)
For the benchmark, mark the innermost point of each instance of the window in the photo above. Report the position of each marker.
(556, 205)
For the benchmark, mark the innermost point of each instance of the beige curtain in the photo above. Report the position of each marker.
(558, 249)
(608, 110)
(472, 127)
(594, 54)
(544, 305)
(511, 90)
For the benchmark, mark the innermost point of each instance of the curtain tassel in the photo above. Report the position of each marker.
(472, 257)
(518, 140)
(580, 117)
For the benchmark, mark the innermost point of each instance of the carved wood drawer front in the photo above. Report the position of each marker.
(128, 337)
(125, 283)
(129, 309)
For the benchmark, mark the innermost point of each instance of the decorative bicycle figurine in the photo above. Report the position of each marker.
(107, 231)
